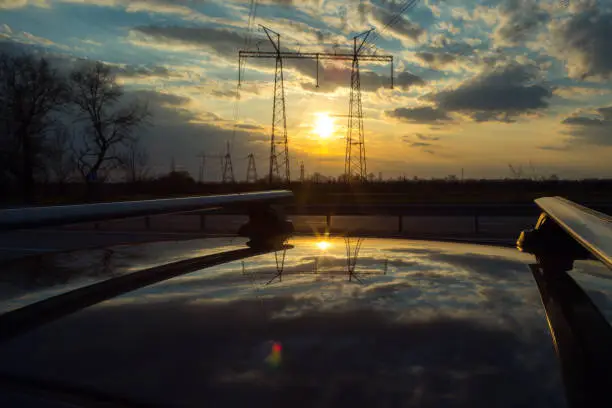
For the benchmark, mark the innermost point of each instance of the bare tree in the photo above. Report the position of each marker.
(134, 160)
(30, 92)
(109, 124)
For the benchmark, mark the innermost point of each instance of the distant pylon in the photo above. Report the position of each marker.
(355, 168)
(302, 172)
(251, 176)
(279, 143)
(228, 169)
(202, 167)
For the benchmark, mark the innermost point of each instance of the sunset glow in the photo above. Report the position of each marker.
(476, 85)
(324, 126)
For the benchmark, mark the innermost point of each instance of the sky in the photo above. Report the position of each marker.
(479, 84)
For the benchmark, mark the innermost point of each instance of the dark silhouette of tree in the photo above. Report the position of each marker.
(30, 92)
(108, 123)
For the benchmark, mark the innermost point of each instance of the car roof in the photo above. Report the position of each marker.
(416, 322)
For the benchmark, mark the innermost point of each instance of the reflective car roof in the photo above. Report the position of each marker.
(417, 324)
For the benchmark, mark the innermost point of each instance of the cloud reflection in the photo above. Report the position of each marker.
(443, 326)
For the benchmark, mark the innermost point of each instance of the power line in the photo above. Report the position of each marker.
(408, 4)
(247, 43)
(355, 157)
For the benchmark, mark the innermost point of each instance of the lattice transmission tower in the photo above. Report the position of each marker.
(279, 144)
(251, 175)
(228, 168)
(355, 165)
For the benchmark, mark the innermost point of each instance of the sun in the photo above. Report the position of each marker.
(323, 245)
(324, 125)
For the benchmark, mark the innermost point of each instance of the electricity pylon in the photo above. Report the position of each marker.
(202, 167)
(251, 176)
(279, 145)
(228, 169)
(225, 161)
(355, 163)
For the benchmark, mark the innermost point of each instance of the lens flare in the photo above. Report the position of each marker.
(274, 359)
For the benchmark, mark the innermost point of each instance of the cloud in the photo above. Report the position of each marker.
(159, 6)
(444, 52)
(63, 63)
(249, 126)
(519, 20)
(182, 130)
(583, 41)
(579, 92)
(16, 4)
(223, 94)
(419, 144)
(227, 43)
(333, 77)
(222, 41)
(403, 29)
(420, 115)
(593, 127)
(91, 42)
(160, 99)
(24, 37)
(302, 33)
(179, 8)
(554, 148)
(421, 136)
(500, 93)
(143, 71)
(436, 60)
(424, 144)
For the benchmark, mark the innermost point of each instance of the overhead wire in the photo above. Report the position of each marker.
(407, 5)
(242, 68)
(396, 11)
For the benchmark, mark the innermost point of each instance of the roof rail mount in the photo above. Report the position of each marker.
(267, 228)
(552, 246)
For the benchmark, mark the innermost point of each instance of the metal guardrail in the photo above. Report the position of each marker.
(407, 210)
(417, 209)
(474, 211)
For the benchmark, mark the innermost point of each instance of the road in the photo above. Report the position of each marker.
(22, 243)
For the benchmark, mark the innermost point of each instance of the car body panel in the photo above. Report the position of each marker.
(418, 324)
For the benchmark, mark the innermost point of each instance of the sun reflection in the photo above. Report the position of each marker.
(323, 245)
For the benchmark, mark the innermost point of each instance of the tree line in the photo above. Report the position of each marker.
(60, 127)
